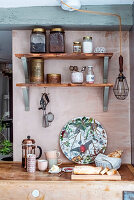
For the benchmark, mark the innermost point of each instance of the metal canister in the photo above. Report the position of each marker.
(53, 78)
(37, 70)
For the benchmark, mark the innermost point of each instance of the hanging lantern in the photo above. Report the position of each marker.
(121, 88)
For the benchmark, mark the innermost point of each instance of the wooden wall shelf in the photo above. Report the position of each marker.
(66, 56)
(64, 85)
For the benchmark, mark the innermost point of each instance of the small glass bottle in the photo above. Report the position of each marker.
(87, 45)
(38, 41)
(90, 75)
(77, 47)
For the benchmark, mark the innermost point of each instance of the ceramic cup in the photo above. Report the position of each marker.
(52, 154)
(31, 163)
(52, 157)
(54, 161)
(42, 165)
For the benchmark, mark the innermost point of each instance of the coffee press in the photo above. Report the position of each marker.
(28, 147)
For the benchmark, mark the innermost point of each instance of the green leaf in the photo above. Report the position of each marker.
(83, 119)
(90, 120)
(6, 147)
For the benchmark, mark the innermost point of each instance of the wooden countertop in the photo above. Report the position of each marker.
(14, 171)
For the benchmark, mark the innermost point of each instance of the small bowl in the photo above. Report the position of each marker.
(105, 161)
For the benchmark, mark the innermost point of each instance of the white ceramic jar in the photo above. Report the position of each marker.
(87, 45)
(77, 77)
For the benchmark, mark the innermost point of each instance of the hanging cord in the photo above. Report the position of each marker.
(101, 13)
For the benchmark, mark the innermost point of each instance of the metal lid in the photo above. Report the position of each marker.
(28, 141)
(37, 60)
(38, 30)
(77, 43)
(57, 30)
(53, 74)
(87, 38)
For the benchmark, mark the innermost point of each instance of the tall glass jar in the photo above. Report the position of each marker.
(38, 41)
(57, 41)
(87, 45)
(90, 75)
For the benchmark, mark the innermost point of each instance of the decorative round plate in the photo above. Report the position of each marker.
(82, 139)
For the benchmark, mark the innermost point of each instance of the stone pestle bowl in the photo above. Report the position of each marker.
(105, 161)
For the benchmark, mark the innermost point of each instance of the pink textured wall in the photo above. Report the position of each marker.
(67, 103)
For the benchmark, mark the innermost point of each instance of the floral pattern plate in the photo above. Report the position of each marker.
(82, 139)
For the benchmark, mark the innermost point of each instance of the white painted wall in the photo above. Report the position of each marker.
(27, 3)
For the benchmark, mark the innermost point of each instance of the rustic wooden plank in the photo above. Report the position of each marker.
(73, 56)
(64, 85)
(14, 18)
(66, 55)
(14, 171)
(80, 190)
(115, 177)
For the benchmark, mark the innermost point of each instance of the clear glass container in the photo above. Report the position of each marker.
(77, 47)
(90, 75)
(87, 45)
(28, 147)
(38, 41)
(77, 77)
(57, 41)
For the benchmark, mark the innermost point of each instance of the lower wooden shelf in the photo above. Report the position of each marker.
(64, 85)
(26, 86)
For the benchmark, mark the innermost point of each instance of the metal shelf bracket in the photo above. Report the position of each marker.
(105, 71)
(25, 91)
(25, 67)
(105, 99)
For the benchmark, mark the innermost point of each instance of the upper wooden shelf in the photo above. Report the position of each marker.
(66, 56)
(64, 85)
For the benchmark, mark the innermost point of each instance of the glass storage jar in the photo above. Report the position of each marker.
(57, 41)
(77, 47)
(90, 75)
(36, 70)
(87, 45)
(77, 77)
(38, 41)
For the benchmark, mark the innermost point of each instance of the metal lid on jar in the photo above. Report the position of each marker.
(57, 30)
(54, 75)
(37, 60)
(77, 43)
(42, 30)
(87, 38)
(28, 141)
